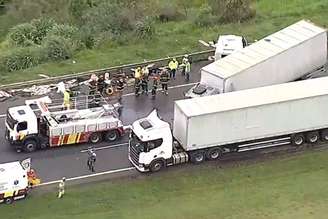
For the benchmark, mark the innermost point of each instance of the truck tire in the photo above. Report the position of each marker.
(95, 138)
(9, 200)
(324, 135)
(214, 154)
(156, 165)
(112, 135)
(312, 137)
(197, 157)
(297, 139)
(30, 145)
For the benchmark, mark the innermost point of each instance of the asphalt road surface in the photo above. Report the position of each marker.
(70, 161)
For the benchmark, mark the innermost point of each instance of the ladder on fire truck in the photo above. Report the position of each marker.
(82, 108)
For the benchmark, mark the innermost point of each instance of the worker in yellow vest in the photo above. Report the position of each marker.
(61, 188)
(173, 66)
(66, 102)
(138, 73)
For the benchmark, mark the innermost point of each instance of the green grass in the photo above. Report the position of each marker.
(181, 37)
(290, 187)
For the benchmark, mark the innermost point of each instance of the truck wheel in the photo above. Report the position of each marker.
(95, 138)
(156, 165)
(30, 146)
(112, 135)
(312, 137)
(324, 135)
(197, 157)
(214, 153)
(297, 139)
(9, 200)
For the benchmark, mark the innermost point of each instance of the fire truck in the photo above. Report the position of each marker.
(36, 126)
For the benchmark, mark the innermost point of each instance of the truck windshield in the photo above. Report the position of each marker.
(10, 121)
(137, 143)
(144, 146)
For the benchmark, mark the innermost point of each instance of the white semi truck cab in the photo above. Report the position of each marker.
(227, 44)
(151, 144)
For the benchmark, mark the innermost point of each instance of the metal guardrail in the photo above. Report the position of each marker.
(197, 56)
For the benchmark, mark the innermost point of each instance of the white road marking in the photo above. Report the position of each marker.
(88, 176)
(106, 147)
(129, 94)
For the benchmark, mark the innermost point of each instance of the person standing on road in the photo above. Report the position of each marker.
(120, 88)
(154, 88)
(91, 159)
(144, 85)
(137, 84)
(92, 84)
(145, 71)
(138, 73)
(61, 188)
(173, 66)
(101, 84)
(164, 79)
(67, 100)
(187, 69)
(183, 64)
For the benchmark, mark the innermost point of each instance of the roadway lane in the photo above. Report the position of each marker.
(69, 161)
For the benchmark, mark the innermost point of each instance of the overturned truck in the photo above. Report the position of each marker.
(287, 55)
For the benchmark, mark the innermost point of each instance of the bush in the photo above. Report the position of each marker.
(107, 16)
(65, 30)
(70, 33)
(27, 34)
(169, 12)
(58, 48)
(87, 36)
(22, 58)
(237, 11)
(145, 29)
(233, 10)
(78, 7)
(41, 28)
(21, 35)
(204, 16)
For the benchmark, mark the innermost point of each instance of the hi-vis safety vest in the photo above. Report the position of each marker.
(173, 65)
(187, 67)
(138, 73)
(66, 97)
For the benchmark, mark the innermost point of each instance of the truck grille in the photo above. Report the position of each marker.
(134, 154)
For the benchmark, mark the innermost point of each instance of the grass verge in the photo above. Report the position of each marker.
(290, 187)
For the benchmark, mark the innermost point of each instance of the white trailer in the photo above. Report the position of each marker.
(208, 127)
(284, 56)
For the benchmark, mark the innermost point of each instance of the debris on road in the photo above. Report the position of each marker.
(38, 90)
(4, 96)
